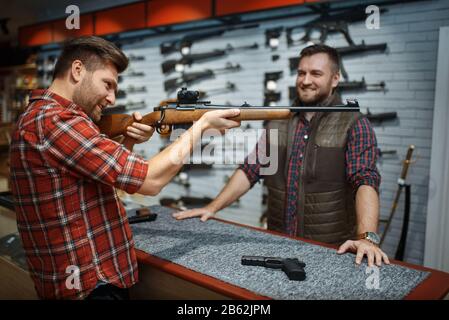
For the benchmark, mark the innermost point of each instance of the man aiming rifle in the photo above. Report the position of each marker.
(64, 173)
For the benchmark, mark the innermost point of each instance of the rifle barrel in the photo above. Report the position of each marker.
(351, 107)
(348, 50)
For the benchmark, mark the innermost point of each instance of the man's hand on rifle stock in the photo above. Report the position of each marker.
(140, 132)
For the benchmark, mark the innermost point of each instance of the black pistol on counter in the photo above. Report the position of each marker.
(293, 268)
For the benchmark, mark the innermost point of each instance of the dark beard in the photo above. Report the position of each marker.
(320, 100)
(84, 98)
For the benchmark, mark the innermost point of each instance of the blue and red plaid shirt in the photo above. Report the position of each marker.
(361, 156)
(73, 227)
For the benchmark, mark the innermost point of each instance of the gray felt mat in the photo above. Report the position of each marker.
(215, 249)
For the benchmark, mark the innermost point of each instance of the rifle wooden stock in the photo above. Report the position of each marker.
(114, 125)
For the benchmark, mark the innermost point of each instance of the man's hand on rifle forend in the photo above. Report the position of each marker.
(139, 131)
(217, 119)
(204, 213)
(362, 248)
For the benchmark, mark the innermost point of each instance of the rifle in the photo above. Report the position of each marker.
(188, 108)
(187, 41)
(386, 152)
(133, 89)
(293, 268)
(270, 79)
(170, 65)
(380, 117)
(270, 34)
(191, 77)
(131, 73)
(168, 47)
(270, 97)
(132, 57)
(329, 23)
(360, 85)
(120, 94)
(292, 93)
(124, 107)
(293, 64)
(130, 89)
(229, 87)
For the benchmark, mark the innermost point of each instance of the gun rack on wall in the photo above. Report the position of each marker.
(158, 17)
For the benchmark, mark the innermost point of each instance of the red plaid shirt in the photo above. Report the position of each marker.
(72, 224)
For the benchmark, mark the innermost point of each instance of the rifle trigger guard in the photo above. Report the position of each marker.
(159, 122)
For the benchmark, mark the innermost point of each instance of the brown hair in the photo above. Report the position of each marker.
(93, 52)
(333, 55)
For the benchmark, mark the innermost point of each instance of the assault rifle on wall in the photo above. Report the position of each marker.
(188, 108)
(121, 108)
(130, 73)
(328, 23)
(189, 78)
(130, 89)
(377, 118)
(270, 78)
(184, 44)
(272, 37)
(170, 65)
(383, 153)
(360, 86)
(228, 87)
(133, 57)
(271, 97)
(292, 93)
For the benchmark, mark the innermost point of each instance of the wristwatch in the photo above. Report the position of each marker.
(370, 236)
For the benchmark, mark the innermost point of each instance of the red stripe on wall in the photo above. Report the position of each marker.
(225, 7)
(124, 18)
(164, 12)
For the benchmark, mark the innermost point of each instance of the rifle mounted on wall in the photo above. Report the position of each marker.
(170, 65)
(184, 44)
(190, 77)
(327, 24)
